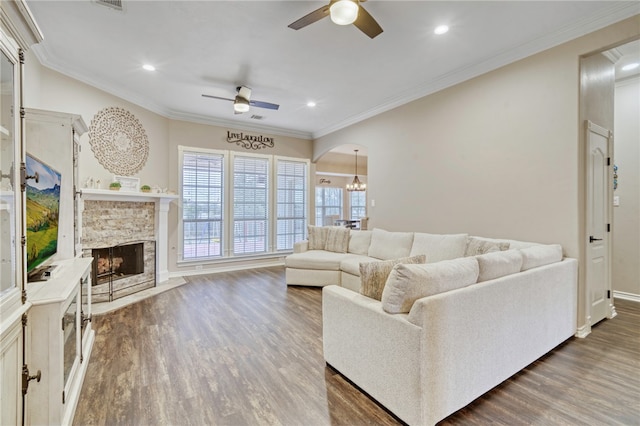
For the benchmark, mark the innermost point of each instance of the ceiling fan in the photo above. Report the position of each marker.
(342, 12)
(243, 101)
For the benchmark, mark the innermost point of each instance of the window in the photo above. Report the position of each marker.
(202, 204)
(358, 204)
(328, 205)
(236, 204)
(292, 203)
(250, 204)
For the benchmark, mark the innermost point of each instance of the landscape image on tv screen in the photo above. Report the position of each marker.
(43, 207)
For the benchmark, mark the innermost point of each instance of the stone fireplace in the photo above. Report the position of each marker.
(126, 233)
(122, 270)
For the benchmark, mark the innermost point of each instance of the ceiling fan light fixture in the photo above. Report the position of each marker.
(344, 12)
(240, 104)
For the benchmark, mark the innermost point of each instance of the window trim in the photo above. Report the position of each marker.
(228, 193)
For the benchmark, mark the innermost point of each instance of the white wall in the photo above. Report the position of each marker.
(49, 90)
(213, 137)
(626, 224)
(499, 155)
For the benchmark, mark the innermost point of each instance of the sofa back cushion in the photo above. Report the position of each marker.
(337, 239)
(359, 242)
(533, 257)
(408, 283)
(438, 247)
(387, 245)
(373, 275)
(498, 264)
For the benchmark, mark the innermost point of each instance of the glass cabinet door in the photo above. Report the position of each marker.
(9, 168)
(70, 333)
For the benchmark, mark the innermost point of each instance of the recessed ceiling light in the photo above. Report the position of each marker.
(149, 67)
(629, 67)
(311, 104)
(441, 29)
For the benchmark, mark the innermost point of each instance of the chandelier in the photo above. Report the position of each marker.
(356, 185)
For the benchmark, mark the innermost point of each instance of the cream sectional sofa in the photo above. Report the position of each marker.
(319, 267)
(443, 333)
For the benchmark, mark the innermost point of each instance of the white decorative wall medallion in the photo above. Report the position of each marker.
(118, 141)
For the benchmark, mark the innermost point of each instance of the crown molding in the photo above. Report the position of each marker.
(43, 56)
(610, 16)
(221, 122)
(617, 12)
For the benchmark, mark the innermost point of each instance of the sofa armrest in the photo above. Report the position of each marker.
(378, 352)
(301, 246)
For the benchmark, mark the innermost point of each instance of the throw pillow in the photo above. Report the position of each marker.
(476, 246)
(439, 247)
(359, 242)
(317, 237)
(337, 239)
(498, 264)
(535, 256)
(373, 275)
(387, 245)
(408, 283)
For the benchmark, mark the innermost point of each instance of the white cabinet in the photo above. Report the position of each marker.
(60, 338)
(18, 31)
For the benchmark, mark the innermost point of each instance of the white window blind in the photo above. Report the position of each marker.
(250, 205)
(202, 204)
(328, 205)
(358, 204)
(291, 203)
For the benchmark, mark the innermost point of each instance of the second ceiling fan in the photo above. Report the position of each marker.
(342, 12)
(242, 101)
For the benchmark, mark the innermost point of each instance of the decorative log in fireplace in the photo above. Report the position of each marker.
(117, 262)
(123, 269)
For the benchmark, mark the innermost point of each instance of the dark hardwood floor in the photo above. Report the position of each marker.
(241, 348)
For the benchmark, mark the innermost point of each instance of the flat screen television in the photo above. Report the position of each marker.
(43, 209)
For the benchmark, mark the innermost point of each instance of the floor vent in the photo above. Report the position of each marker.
(114, 4)
(257, 117)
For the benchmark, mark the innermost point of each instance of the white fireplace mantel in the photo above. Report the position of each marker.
(162, 202)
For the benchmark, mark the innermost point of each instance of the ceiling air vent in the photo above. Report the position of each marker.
(114, 4)
(257, 117)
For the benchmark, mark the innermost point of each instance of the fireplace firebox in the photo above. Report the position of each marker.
(112, 263)
(123, 269)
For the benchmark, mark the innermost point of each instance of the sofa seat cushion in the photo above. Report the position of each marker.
(351, 263)
(387, 245)
(315, 259)
(439, 247)
(408, 283)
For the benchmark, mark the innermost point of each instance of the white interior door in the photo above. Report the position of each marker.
(598, 266)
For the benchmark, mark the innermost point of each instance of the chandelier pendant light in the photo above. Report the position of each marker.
(356, 185)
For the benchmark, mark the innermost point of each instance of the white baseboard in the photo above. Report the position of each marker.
(626, 296)
(229, 267)
(583, 331)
